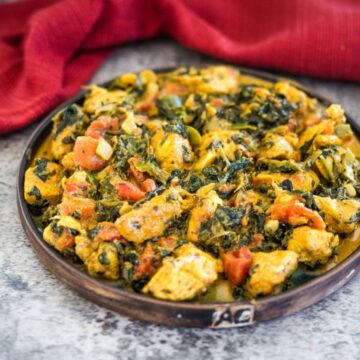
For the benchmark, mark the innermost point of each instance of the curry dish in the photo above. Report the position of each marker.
(197, 184)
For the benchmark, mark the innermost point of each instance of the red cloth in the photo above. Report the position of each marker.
(48, 49)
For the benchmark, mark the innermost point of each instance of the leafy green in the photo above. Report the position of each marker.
(107, 212)
(127, 147)
(176, 126)
(72, 114)
(40, 169)
(170, 107)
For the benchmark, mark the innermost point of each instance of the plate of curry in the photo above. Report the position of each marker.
(213, 196)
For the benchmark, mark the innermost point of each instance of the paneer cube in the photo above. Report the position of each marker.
(184, 276)
(269, 271)
(313, 246)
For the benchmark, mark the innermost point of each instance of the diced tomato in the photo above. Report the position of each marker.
(148, 263)
(144, 106)
(292, 124)
(217, 102)
(107, 232)
(101, 126)
(257, 240)
(295, 213)
(82, 206)
(142, 178)
(168, 242)
(237, 264)
(174, 89)
(226, 188)
(67, 240)
(311, 121)
(329, 129)
(138, 175)
(129, 191)
(148, 185)
(75, 189)
(85, 154)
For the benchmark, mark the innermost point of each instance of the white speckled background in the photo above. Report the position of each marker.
(40, 318)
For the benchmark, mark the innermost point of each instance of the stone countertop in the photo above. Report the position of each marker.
(41, 318)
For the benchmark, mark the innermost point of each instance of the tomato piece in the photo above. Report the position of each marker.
(148, 262)
(329, 129)
(83, 206)
(138, 175)
(292, 124)
(174, 89)
(129, 191)
(296, 214)
(142, 178)
(237, 264)
(168, 242)
(311, 121)
(217, 102)
(68, 240)
(75, 189)
(257, 240)
(101, 126)
(85, 154)
(107, 232)
(148, 185)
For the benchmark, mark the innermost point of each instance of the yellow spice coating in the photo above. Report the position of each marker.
(338, 213)
(313, 246)
(151, 218)
(184, 276)
(49, 187)
(269, 271)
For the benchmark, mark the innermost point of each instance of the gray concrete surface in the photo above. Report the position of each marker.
(40, 318)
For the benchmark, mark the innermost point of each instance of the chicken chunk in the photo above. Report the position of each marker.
(67, 124)
(340, 215)
(99, 97)
(172, 150)
(100, 258)
(43, 182)
(201, 213)
(274, 146)
(269, 271)
(184, 276)
(151, 218)
(219, 79)
(79, 207)
(305, 181)
(323, 128)
(61, 232)
(219, 144)
(313, 246)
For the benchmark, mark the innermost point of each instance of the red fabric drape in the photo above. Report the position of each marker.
(49, 48)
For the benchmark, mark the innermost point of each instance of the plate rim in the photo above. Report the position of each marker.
(48, 255)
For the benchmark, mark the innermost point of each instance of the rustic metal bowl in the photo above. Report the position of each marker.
(190, 314)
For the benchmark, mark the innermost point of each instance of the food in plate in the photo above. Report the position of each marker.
(197, 181)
